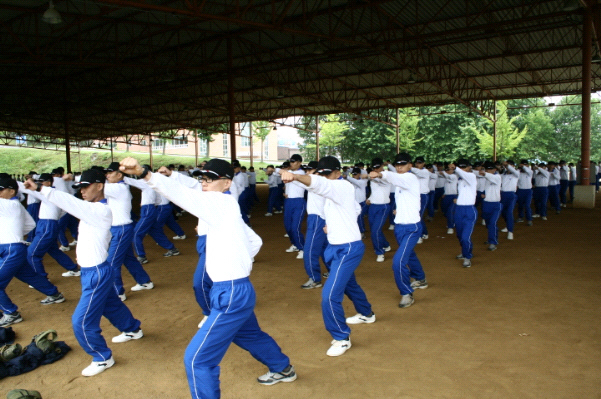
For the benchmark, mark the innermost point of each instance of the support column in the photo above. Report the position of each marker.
(251, 144)
(494, 131)
(111, 144)
(585, 146)
(195, 147)
(150, 150)
(317, 137)
(67, 138)
(398, 148)
(584, 194)
(230, 99)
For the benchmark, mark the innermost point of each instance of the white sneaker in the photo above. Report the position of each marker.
(380, 258)
(510, 236)
(269, 214)
(449, 231)
(97, 367)
(292, 249)
(387, 249)
(391, 227)
(544, 218)
(203, 321)
(128, 336)
(71, 273)
(339, 347)
(300, 255)
(183, 237)
(360, 319)
(145, 286)
(73, 243)
(420, 240)
(311, 284)
(122, 297)
(536, 215)
(425, 236)
(64, 249)
(504, 230)
(406, 301)
(483, 222)
(286, 235)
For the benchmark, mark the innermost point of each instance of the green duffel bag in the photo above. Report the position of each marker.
(23, 394)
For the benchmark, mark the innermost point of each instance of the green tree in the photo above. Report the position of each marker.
(261, 130)
(508, 136)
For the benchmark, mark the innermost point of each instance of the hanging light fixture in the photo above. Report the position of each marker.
(318, 48)
(411, 79)
(51, 16)
(280, 94)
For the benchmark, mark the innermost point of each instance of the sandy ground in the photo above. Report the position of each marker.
(522, 322)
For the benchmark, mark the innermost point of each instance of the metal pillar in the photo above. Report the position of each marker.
(398, 148)
(195, 147)
(150, 150)
(251, 143)
(67, 139)
(111, 144)
(494, 131)
(585, 146)
(317, 137)
(230, 99)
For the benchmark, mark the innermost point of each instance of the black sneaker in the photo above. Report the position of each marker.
(287, 375)
(171, 252)
(58, 298)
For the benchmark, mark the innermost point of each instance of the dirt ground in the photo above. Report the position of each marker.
(522, 322)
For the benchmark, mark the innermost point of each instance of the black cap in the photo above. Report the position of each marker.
(285, 164)
(428, 166)
(561, 161)
(296, 158)
(217, 169)
(113, 167)
(356, 171)
(463, 163)
(56, 171)
(5, 175)
(551, 163)
(419, 159)
(327, 165)
(90, 176)
(33, 172)
(7, 182)
(542, 164)
(45, 177)
(196, 173)
(510, 161)
(171, 165)
(489, 165)
(402, 158)
(235, 163)
(312, 165)
(376, 163)
(524, 161)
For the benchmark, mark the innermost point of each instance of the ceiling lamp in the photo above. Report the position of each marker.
(51, 16)
(411, 79)
(596, 59)
(280, 94)
(318, 48)
(571, 5)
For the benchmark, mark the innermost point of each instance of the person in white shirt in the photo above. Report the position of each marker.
(540, 193)
(294, 208)
(432, 193)
(241, 183)
(67, 221)
(449, 198)
(48, 230)
(554, 182)
(480, 183)
(316, 240)
(440, 183)
(16, 223)
(272, 182)
(280, 197)
(573, 178)
(491, 204)
(564, 173)
(252, 181)
(343, 254)
(509, 184)
(407, 227)
(98, 296)
(232, 317)
(465, 210)
(379, 204)
(360, 182)
(33, 206)
(423, 176)
(121, 251)
(524, 192)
